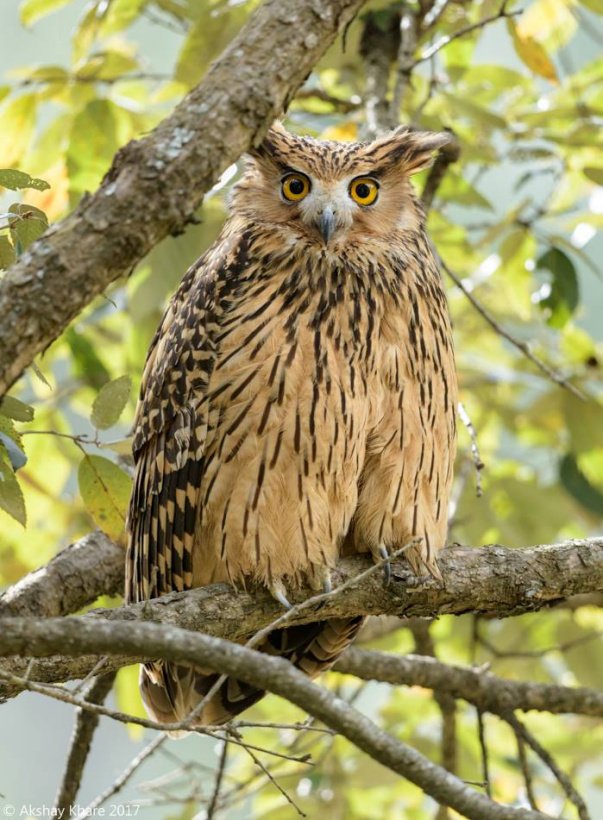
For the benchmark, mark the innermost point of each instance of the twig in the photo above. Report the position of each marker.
(525, 770)
(478, 464)
(522, 346)
(275, 782)
(566, 784)
(92, 78)
(211, 809)
(481, 733)
(126, 775)
(444, 41)
(345, 106)
(85, 725)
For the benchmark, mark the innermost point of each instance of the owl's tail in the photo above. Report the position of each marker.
(171, 691)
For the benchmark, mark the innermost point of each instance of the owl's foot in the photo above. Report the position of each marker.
(320, 581)
(277, 590)
(380, 554)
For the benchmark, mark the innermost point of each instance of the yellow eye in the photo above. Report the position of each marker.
(295, 187)
(364, 190)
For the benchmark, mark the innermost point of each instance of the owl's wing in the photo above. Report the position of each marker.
(170, 431)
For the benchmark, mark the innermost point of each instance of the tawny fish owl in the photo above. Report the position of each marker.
(299, 394)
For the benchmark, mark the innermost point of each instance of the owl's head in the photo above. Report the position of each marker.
(331, 192)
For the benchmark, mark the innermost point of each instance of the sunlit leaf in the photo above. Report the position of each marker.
(594, 174)
(15, 409)
(15, 180)
(110, 402)
(32, 10)
(105, 490)
(11, 494)
(92, 145)
(7, 253)
(550, 20)
(533, 54)
(18, 117)
(30, 224)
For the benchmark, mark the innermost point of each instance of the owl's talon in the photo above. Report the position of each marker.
(277, 591)
(380, 553)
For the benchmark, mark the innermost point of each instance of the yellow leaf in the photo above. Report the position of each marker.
(546, 17)
(128, 698)
(105, 490)
(532, 54)
(346, 132)
(18, 119)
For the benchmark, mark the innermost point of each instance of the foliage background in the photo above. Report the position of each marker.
(517, 217)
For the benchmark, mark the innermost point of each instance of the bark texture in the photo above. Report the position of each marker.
(492, 580)
(156, 184)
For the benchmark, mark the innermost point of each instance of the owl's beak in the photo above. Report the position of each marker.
(326, 224)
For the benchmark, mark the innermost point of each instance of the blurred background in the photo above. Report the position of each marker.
(517, 219)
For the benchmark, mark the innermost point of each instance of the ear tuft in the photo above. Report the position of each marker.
(272, 143)
(412, 149)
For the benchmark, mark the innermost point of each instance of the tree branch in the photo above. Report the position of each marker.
(156, 184)
(488, 692)
(76, 636)
(75, 577)
(491, 580)
(81, 741)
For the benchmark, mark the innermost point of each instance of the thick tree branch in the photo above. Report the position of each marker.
(75, 577)
(75, 636)
(491, 580)
(488, 692)
(155, 184)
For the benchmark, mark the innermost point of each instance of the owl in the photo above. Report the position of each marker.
(298, 399)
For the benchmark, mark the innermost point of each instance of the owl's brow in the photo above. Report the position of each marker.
(288, 169)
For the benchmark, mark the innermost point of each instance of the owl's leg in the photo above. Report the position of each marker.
(380, 553)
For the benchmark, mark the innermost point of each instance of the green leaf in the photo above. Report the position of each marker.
(110, 402)
(208, 37)
(593, 5)
(92, 145)
(11, 494)
(30, 224)
(12, 442)
(18, 119)
(7, 253)
(33, 10)
(105, 490)
(579, 487)
(15, 454)
(87, 365)
(565, 293)
(107, 65)
(594, 174)
(16, 180)
(15, 409)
